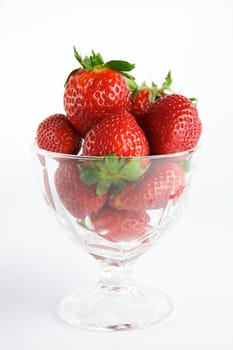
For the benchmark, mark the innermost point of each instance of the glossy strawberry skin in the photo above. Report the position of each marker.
(56, 134)
(163, 181)
(119, 134)
(172, 125)
(141, 104)
(120, 225)
(78, 198)
(91, 95)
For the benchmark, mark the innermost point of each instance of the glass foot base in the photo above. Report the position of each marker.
(116, 308)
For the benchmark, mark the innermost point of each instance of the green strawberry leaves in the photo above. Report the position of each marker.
(132, 170)
(111, 173)
(194, 100)
(89, 62)
(121, 66)
(96, 61)
(167, 83)
(156, 92)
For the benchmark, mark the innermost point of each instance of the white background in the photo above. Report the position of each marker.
(38, 264)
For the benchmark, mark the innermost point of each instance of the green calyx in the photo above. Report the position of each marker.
(95, 61)
(111, 173)
(155, 91)
(194, 100)
(91, 62)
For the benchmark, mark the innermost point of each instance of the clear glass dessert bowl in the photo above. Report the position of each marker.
(116, 209)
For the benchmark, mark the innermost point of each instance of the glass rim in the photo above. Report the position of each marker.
(56, 155)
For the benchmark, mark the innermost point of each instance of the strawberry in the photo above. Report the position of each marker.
(163, 181)
(119, 134)
(172, 125)
(96, 90)
(141, 103)
(77, 197)
(120, 225)
(144, 96)
(56, 134)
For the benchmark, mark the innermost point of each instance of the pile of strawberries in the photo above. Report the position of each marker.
(107, 114)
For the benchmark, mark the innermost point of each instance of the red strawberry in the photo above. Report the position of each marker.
(120, 225)
(144, 97)
(96, 90)
(141, 104)
(163, 181)
(172, 125)
(77, 197)
(119, 134)
(56, 134)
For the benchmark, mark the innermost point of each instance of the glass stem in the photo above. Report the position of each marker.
(116, 276)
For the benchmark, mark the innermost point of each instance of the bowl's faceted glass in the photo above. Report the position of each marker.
(116, 209)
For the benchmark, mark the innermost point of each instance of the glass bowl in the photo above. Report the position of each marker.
(116, 209)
